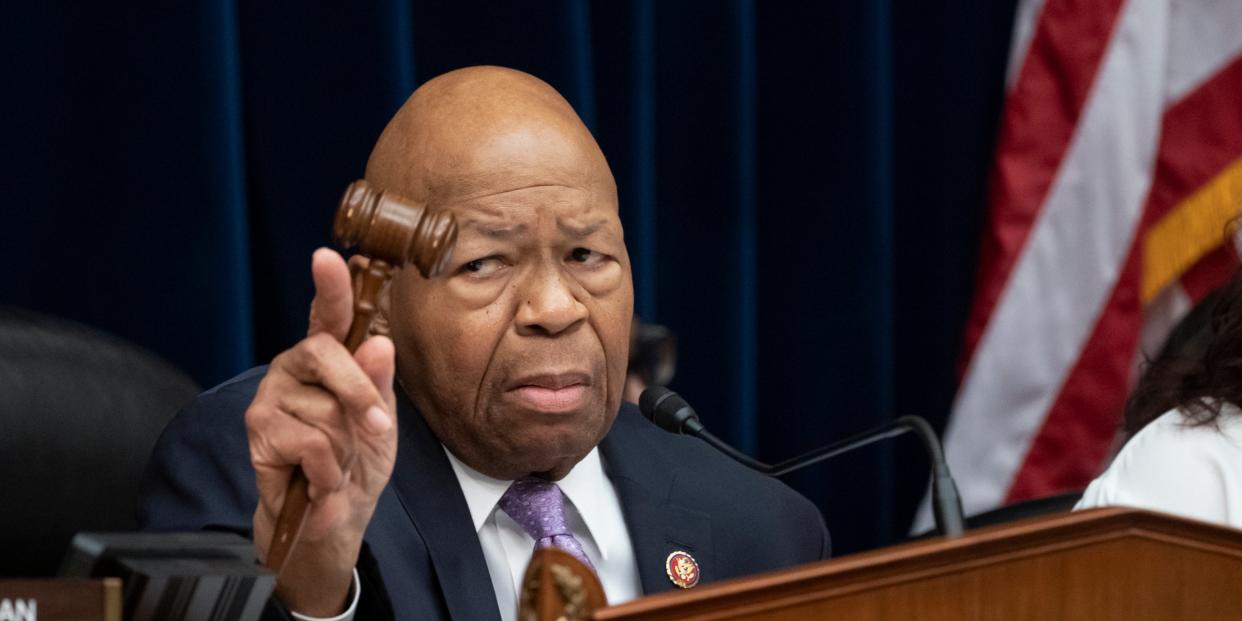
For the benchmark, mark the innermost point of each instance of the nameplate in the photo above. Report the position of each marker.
(60, 599)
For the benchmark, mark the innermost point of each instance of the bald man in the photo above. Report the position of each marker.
(499, 379)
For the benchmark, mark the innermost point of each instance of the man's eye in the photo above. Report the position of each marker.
(483, 267)
(585, 256)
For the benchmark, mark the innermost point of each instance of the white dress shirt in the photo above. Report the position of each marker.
(1174, 467)
(593, 514)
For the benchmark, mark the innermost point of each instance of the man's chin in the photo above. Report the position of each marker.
(553, 447)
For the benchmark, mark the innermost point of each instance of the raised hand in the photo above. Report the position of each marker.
(333, 414)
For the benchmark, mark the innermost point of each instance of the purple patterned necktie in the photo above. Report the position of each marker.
(538, 507)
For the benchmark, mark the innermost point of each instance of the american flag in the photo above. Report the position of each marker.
(1117, 172)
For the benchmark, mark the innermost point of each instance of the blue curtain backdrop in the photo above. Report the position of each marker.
(801, 185)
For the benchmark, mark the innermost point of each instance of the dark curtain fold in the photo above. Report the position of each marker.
(801, 185)
(827, 227)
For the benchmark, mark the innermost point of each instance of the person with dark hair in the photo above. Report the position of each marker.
(1184, 421)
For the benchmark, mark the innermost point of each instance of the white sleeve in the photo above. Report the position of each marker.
(348, 615)
(1173, 467)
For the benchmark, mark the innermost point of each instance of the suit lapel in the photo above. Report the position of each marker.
(429, 492)
(646, 482)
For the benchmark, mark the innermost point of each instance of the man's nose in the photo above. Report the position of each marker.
(548, 305)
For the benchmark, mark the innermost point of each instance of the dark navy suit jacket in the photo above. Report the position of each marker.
(422, 554)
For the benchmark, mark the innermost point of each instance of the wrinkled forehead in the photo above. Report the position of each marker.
(562, 211)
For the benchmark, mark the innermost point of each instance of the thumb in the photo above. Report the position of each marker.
(376, 357)
(332, 310)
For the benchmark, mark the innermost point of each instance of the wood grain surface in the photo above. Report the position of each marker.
(1100, 565)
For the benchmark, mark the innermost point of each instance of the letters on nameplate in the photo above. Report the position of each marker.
(76, 599)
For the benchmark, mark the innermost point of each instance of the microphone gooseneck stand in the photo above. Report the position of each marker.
(672, 413)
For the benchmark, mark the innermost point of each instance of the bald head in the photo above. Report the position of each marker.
(485, 129)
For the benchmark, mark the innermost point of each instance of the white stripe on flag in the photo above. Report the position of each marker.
(1204, 36)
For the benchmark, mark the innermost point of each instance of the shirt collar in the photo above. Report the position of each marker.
(582, 486)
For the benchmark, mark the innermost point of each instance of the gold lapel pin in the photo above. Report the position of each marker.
(682, 569)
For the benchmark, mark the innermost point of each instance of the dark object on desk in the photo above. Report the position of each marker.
(90, 553)
(79, 413)
(391, 231)
(1035, 507)
(199, 576)
(1061, 503)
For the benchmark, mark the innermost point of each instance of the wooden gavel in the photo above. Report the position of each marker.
(390, 230)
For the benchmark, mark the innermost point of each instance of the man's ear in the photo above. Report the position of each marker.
(379, 323)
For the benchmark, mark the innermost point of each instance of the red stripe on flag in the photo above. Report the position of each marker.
(1201, 135)
(1212, 271)
(1041, 112)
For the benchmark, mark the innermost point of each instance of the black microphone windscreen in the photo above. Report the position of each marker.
(649, 398)
(667, 409)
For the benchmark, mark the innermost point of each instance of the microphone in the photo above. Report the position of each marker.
(670, 412)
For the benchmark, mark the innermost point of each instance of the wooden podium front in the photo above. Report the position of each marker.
(1101, 564)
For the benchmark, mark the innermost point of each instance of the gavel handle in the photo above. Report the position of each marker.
(366, 298)
(297, 496)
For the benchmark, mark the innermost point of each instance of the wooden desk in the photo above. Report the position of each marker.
(1099, 565)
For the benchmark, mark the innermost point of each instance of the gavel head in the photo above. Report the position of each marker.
(393, 229)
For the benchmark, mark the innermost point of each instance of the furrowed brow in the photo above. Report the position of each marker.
(579, 231)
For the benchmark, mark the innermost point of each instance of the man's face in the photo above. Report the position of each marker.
(516, 354)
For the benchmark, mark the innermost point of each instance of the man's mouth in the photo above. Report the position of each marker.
(552, 392)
